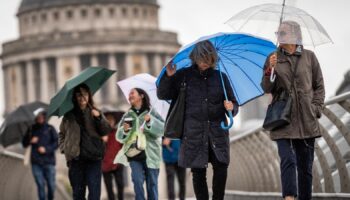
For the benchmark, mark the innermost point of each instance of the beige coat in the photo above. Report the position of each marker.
(308, 93)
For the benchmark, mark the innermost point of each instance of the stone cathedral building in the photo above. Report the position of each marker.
(59, 38)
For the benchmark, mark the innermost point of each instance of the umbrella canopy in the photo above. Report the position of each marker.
(94, 77)
(241, 58)
(17, 122)
(264, 20)
(147, 83)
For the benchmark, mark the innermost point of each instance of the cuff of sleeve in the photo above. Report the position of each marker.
(149, 124)
(268, 71)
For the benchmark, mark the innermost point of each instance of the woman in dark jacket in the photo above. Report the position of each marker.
(80, 140)
(203, 139)
(110, 170)
(296, 141)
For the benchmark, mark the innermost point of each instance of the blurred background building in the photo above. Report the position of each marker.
(60, 38)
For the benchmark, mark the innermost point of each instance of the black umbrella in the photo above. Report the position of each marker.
(17, 122)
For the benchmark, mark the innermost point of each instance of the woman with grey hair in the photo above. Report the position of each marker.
(203, 139)
(297, 72)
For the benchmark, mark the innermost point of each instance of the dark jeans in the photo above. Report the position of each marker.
(118, 175)
(219, 179)
(171, 171)
(297, 157)
(141, 173)
(42, 174)
(84, 173)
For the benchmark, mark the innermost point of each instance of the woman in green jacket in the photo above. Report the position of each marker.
(140, 131)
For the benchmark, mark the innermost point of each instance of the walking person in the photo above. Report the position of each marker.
(139, 131)
(43, 139)
(203, 139)
(170, 157)
(110, 170)
(80, 141)
(297, 70)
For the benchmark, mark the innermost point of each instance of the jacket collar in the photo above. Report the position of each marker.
(204, 73)
(298, 51)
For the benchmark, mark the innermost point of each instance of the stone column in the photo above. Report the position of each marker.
(94, 63)
(44, 80)
(6, 88)
(94, 60)
(112, 86)
(129, 64)
(144, 63)
(19, 88)
(30, 81)
(158, 63)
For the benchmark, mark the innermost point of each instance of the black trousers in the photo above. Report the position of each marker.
(118, 176)
(173, 170)
(199, 177)
(297, 157)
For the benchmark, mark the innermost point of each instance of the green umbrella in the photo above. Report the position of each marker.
(94, 77)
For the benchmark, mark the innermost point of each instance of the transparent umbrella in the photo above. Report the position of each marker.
(281, 24)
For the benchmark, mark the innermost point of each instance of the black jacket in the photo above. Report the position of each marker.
(204, 112)
(48, 138)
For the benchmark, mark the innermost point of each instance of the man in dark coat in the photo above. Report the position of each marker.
(203, 138)
(43, 139)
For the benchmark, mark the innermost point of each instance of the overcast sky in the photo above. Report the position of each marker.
(194, 18)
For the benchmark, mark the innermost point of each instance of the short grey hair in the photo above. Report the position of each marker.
(204, 51)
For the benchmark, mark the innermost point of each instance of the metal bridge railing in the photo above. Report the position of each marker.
(17, 182)
(255, 162)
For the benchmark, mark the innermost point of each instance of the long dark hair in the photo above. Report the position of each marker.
(77, 90)
(145, 100)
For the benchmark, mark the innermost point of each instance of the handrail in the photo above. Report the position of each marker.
(330, 101)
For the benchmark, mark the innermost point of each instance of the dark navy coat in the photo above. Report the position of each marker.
(48, 138)
(203, 114)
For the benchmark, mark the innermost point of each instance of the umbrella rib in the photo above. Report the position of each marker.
(243, 72)
(220, 42)
(235, 40)
(247, 60)
(232, 85)
(312, 40)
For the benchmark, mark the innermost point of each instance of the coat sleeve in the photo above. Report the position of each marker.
(230, 95)
(168, 88)
(62, 134)
(156, 128)
(103, 128)
(54, 140)
(318, 87)
(266, 84)
(120, 136)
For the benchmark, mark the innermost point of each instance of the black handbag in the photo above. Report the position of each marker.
(174, 123)
(278, 113)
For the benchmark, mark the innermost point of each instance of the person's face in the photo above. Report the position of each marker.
(285, 35)
(111, 120)
(135, 98)
(82, 97)
(202, 65)
(40, 119)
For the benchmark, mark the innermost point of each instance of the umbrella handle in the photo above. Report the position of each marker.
(230, 123)
(273, 75)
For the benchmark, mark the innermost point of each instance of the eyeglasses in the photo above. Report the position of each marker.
(281, 33)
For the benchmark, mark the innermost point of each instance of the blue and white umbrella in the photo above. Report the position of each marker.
(241, 58)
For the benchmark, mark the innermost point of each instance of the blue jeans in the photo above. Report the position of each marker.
(84, 173)
(141, 173)
(44, 174)
(297, 156)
